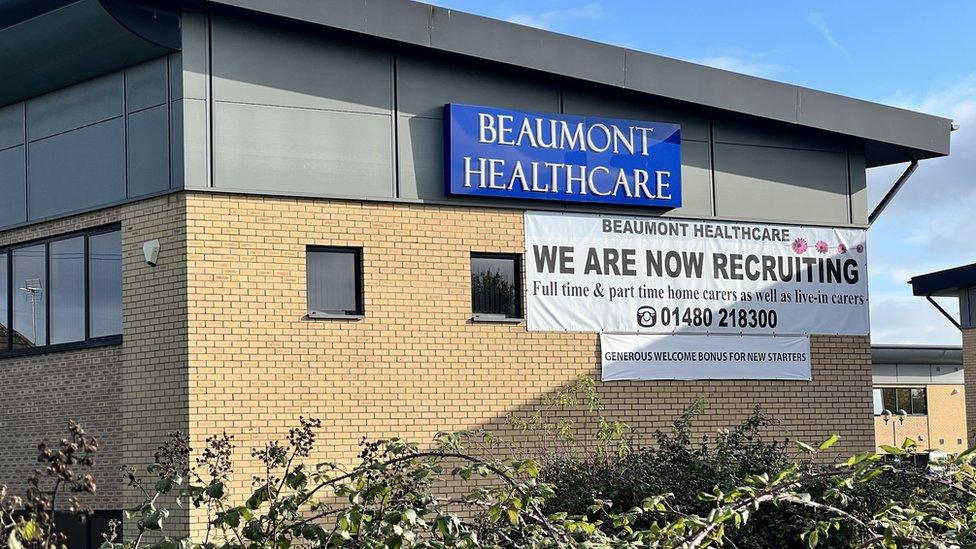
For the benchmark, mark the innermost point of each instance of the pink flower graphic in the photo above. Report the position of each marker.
(841, 248)
(821, 246)
(859, 248)
(799, 246)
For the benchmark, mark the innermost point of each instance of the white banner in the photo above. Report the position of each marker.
(654, 275)
(688, 357)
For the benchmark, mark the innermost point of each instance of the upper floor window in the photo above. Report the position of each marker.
(62, 291)
(913, 400)
(334, 281)
(495, 289)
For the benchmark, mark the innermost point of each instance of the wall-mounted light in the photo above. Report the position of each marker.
(151, 250)
(954, 392)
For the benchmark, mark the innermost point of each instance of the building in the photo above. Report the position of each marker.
(959, 283)
(220, 215)
(919, 394)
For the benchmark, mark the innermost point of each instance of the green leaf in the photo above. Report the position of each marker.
(830, 441)
(806, 447)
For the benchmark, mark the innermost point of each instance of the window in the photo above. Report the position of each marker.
(334, 282)
(495, 289)
(64, 291)
(913, 400)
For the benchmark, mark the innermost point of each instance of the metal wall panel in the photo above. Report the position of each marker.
(12, 125)
(75, 106)
(425, 85)
(914, 374)
(884, 374)
(76, 170)
(145, 85)
(947, 375)
(741, 130)
(694, 124)
(768, 183)
(147, 152)
(696, 180)
(263, 65)
(302, 151)
(859, 187)
(13, 186)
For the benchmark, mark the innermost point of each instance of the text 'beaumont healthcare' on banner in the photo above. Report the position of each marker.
(652, 275)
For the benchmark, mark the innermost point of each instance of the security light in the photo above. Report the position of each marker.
(151, 250)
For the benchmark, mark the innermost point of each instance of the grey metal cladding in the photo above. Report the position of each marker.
(12, 125)
(13, 186)
(147, 152)
(77, 170)
(696, 180)
(302, 151)
(145, 85)
(496, 40)
(873, 121)
(741, 130)
(69, 108)
(194, 57)
(267, 65)
(710, 87)
(896, 131)
(777, 184)
(694, 124)
(859, 188)
(176, 145)
(424, 86)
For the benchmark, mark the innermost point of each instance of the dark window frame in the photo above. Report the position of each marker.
(357, 254)
(519, 315)
(910, 408)
(6, 347)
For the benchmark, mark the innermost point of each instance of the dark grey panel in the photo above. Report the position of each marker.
(76, 170)
(75, 106)
(696, 180)
(13, 186)
(411, 24)
(175, 76)
(859, 188)
(145, 85)
(147, 151)
(425, 85)
(873, 121)
(73, 43)
(694, 125)
(176, 143)
(744, 131)
(781, 184)
(297, 150)
(496, 40)
(11, 125)
(265, 65)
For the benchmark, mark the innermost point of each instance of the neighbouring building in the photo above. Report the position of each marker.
(400, 219)
(920, 394)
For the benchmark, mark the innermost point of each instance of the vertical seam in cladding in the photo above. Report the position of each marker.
(169, 122)
(850, 188)
(26, 167)
(711, 165)
(210, 104)
(395, 113)
(125, 133)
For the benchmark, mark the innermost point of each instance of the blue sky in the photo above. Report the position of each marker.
(895, 52)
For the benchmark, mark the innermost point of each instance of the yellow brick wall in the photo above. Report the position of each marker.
(969, 369)
(417, 364)
(39, 394)
(947, 418)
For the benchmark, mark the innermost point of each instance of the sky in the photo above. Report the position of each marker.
(895, 52)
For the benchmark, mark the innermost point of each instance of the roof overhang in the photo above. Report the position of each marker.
(917, 354)
(49, 44)
(890, 135)
(947, 283)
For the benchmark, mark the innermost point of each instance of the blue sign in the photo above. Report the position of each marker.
(502, 153)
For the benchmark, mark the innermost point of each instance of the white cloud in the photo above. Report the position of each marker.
(742, 61)
(930, 225)
(552, 19)
(818, 22)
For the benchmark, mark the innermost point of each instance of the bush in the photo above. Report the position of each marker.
(738, 489)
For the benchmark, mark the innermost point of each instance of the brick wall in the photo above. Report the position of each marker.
(417, 364)
(39, 394)
(969, 369)
(154, 343)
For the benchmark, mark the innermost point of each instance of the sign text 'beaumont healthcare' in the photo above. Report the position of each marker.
(514, 154)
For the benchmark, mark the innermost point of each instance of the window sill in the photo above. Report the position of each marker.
(496, 319)
(107, 341)
(333, 316)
